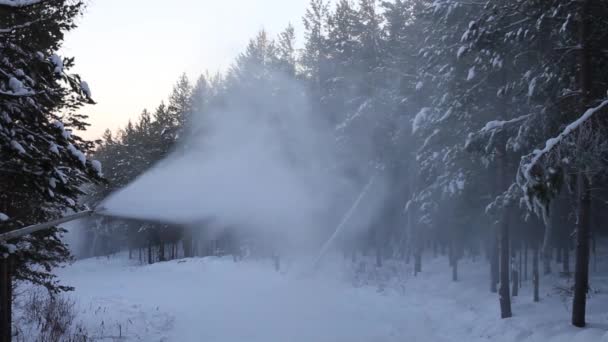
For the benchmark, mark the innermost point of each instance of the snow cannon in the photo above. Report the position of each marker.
(13, 234)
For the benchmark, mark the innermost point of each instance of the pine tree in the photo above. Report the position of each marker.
(43, 163)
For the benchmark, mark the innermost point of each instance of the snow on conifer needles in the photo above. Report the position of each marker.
(551, 143)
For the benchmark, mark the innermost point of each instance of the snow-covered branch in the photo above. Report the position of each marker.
(493, 125)
(17, 27)
(551, 143)
(19, 3)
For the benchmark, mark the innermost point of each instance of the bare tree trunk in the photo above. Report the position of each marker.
(566, 260)
(526, 260)
(150, 261)
(418, 261)
(547, 247)
(504, 295)
(535, 273)
(161, 250)
(378, 247)
(494, 265)
(455, 269)
(187, 242)
(515, 282)
(277, 261)
(519, 265)
(6, 299)
(581, 272)
(594, 253)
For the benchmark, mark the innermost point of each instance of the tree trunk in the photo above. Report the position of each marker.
(547, 263)
(6, 298)
(566, 260)
(187, 242)
(581, 272)
(505, 256)
(150, 261)
(455, 270)
(454, 260)
(593, 246)
(418, 261)
(548, 241)
(504, 295)
(526, 261)
(535, 273)
(519, 265)
(515, 285)
(161, 250)
(378, 247)
(277, 262)
(494, 265)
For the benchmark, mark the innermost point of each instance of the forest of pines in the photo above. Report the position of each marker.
(488, 119)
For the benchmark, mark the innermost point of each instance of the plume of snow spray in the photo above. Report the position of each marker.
(264, 164)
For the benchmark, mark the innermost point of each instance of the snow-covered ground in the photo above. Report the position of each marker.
(218, 300)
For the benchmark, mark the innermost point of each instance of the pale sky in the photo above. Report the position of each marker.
(132, 52)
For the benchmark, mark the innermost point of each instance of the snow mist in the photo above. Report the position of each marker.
(259, 163)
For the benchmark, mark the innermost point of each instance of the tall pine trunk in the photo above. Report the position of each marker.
(150, 261)
(536, 273)
(494, 264)
(504, 295)
(161, 250)
(581, 272)
(525, 261)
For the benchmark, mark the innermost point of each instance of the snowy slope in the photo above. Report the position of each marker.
(217, 300)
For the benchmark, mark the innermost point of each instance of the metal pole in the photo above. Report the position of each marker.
(13, 234)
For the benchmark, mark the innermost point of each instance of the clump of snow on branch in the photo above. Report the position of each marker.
(57, 62)
(420, 118)
(85, 89)
(471, 74)
(499, 124)
(96, 165)
(17, 146)
(54, 148)
(77, 154)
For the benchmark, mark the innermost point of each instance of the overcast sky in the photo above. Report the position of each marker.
(132, 52)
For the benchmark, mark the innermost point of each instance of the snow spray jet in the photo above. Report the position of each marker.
(260, 161)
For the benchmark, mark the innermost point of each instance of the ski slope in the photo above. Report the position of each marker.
(217, 300)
